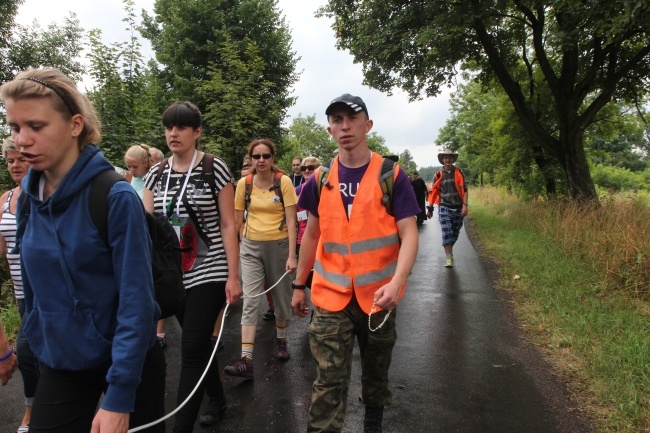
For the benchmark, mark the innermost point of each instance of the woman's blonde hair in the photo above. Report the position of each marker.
(311, 160)
(265, 141)
(66, 99)
(139, 152)
(8, 145)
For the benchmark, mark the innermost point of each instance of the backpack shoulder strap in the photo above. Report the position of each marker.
(248, 191)
(277, 186)
(98, 200)
(387, 174)
(208, 172)
(323, 173)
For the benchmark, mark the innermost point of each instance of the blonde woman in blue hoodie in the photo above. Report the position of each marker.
(90, 308)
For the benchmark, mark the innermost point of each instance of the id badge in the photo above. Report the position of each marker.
(302, 215)
(176, 224)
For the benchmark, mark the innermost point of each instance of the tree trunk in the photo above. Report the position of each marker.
(576, 169)
(546, 166)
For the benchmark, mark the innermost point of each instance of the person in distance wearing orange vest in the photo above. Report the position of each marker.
(449, 192)
(360, 269)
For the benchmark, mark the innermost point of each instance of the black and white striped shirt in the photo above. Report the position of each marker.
(198, 216)
(8, 231)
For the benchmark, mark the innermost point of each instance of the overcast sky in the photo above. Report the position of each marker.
(324, 71)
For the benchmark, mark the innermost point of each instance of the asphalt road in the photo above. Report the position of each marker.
(459, 364)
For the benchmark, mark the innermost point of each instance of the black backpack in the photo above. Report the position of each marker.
(166, 249)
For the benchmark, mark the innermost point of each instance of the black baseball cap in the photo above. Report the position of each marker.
(354, 102)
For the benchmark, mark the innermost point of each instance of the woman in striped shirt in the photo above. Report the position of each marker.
(203, 215)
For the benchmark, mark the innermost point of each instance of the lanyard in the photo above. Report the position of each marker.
(180, 194)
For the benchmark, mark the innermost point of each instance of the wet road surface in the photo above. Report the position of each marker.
(458, 366)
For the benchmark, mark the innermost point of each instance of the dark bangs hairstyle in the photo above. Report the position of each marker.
(182, 114)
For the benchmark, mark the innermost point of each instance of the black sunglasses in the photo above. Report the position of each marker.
(308, 167)
(245, 167)
(262, 155)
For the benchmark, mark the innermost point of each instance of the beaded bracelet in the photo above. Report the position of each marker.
(11, 352)
(372, 310)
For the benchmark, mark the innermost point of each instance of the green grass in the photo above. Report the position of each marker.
(597, 338)
(10, 321)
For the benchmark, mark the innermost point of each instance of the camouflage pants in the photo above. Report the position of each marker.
(331, 338)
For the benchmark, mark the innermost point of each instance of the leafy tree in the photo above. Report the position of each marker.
(57, 47)
(124, 92)
(559, 61)
(377, 143)
(427, 173)
(406, 162)
(188, 39)
(485, 130)
(305, 137)
(25, 47)
(236, 110)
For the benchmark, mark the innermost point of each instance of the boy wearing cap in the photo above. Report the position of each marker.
(449, 192)
(360, 269)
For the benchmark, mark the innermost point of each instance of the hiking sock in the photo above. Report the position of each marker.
(282, 332)
(247, 351)
(160, 335)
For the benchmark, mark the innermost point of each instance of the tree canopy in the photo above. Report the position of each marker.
(559, 61)
(194, 40)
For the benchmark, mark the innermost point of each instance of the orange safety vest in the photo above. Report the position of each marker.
(459, 181)
(356, 255)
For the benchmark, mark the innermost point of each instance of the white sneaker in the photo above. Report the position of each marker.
(449, 262)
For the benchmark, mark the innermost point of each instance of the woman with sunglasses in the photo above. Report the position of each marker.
(307, 167)
(268, 249)
(89, 303)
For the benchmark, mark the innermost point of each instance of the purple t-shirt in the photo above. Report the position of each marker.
(404, 202)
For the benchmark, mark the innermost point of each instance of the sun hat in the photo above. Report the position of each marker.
(447, 152)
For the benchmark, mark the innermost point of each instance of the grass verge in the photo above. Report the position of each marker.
(597, 338)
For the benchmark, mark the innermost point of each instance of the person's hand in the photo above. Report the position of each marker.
(464, 211)
(233, 290)
(298, 303)
(429, 214)
(292, 264)
(8, 367)
(110, 422)
(388, 296)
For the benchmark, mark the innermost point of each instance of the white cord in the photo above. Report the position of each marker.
(214, 351)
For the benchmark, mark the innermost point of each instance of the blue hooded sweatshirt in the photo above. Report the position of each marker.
(89, 305)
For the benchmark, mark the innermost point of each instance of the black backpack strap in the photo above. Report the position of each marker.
(98, 200)
(208, 172)
(248, 183)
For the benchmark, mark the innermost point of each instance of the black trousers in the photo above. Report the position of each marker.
(202, 306)
(66, 401)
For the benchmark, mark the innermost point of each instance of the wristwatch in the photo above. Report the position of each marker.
(295, 286)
